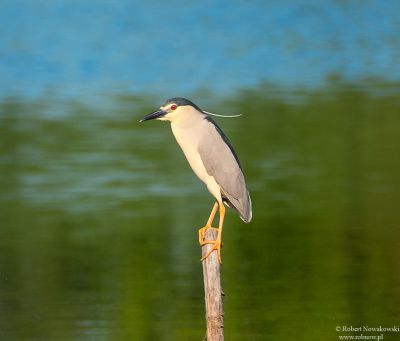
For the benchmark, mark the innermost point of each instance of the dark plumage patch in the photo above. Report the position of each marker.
(180, 101)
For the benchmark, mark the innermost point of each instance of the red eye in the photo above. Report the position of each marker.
(173, 106)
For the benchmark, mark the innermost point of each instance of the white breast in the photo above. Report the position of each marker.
(188, 141)
(188, 137)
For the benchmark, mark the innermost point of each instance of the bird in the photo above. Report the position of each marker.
(212, 158)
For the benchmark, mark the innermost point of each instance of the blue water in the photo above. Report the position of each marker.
(84, 48)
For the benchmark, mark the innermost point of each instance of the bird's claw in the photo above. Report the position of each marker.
(217, 246)
(202, 235)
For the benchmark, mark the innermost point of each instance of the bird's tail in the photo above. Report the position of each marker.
(242, 207)
(247, 212)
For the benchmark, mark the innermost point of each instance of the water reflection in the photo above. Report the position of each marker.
(99, 218)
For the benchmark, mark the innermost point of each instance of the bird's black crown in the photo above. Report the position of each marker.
(180, 101)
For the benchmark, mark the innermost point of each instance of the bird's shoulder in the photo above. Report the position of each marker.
(216, 144)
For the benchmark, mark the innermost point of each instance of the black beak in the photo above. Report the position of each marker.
(153, 115)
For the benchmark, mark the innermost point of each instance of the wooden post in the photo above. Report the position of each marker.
(213, 291)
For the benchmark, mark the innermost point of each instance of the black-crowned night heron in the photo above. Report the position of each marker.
(211, 157)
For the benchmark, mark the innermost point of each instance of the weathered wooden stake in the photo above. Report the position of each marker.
(213, 291)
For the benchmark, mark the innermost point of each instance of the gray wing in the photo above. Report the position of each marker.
(222, 163)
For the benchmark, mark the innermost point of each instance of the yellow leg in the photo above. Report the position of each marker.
(210, 220)
(217, 243)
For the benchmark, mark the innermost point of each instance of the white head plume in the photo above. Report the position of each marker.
(226, 116)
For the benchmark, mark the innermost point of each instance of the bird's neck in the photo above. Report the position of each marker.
(186, 131)
(187, 121)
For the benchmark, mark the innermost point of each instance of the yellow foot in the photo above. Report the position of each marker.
(202, 235)
(217, 246)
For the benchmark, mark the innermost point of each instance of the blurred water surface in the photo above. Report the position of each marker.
(99, 214)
